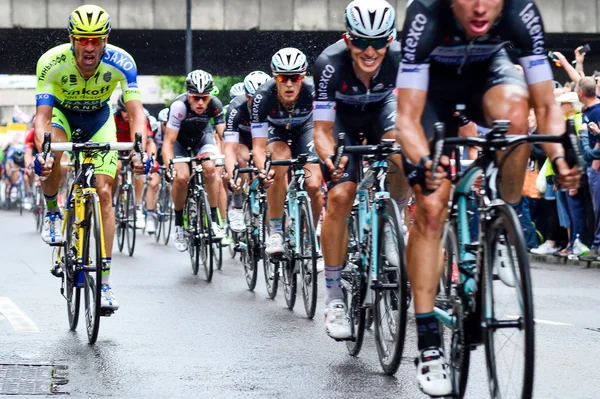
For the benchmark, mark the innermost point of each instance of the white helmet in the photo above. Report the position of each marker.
(236, 90)
(289, 60)
(253, 81)
(370, 19)
(163, 115)
(199, 81)
(153, 123)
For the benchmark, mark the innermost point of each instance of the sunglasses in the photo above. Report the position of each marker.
(295, 78)
(198, 97)
(94, 40)
(364, 44)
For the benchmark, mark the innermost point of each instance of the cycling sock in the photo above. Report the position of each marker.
(276, 225)
(238, 201)
(179, 218)
(52, 203)
(428, 330)
(106, 273)
(333, 283)
(214, 215)
(149, 213)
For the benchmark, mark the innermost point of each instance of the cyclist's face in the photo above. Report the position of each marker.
(368, 60)
(198, 102)
(88, 56)
(289, 90)
(477, 16)
(125, 116)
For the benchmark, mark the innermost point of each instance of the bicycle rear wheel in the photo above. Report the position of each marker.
(206, 248)
(270, 267)
(508, 311)
(131, 219)
(92, 259)
(308, 258)
(391, 290)
(159, 213)
(191, 219)
(248, 249)
(20, 198)
(167, 215)
(354, 287)
(121, 216)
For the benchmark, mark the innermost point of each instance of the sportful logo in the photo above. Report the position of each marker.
(533, 23)
(324, 81)
(414, 35)
(535, 63)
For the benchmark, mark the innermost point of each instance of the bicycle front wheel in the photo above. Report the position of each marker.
(71, 276)
(249, 248)
(131, 219)
(167, 214)
(270, 267)
(289, 277)
(207, 252)
(192, 233)
(92, 262)
(121, 216)
(308, 258)
(507, 308)
(391, 289)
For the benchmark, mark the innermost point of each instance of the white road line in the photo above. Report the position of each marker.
(16, 317)
(539, 321)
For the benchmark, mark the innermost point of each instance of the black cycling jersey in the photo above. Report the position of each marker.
(237, 128)
(341, 92)
(431, 35)
(267, 110)
(189, 124)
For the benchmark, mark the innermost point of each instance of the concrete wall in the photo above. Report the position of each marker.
(579, 16)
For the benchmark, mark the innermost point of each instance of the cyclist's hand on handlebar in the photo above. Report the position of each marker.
(235, 186)
(42, 168)
(434, 180)
(141, 168)
(267, 180)
(568, 178)
(336, 174)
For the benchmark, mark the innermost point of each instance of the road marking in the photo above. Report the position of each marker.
(19, 320)
(539, 321)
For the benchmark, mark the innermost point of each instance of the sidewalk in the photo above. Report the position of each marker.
(555, 260)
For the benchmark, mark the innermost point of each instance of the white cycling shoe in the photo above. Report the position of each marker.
(503, 265)
(336, 320)
(275, 244)
(180, 241)
(140, 220)
(107, 298)
(52, 230)
(433, 373)
(236, 220)
(150, 225)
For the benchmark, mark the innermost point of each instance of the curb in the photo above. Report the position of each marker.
(555, 260)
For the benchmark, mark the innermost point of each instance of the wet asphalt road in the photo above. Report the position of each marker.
(178, 336)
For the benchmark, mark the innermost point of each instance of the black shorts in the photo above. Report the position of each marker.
(207, 144)
(246, 139)
(300, 140)
(447, 89)
(361, 127)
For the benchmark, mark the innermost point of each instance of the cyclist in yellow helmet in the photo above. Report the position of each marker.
(75, 82)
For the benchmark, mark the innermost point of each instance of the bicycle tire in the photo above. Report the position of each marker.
(248, 256)
(191, 216)
(270, 268)
(168, 215)
(308, 253)
(72, 293)
(93, 279)
(218, 255)
(159, 213)
(354, 288)
(20, 197)
(458, 347)
(121, 217)
(289, 279)
(390, 354)
(506, 227)
(206, 239)
(131, 220)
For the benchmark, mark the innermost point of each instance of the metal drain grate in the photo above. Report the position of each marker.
(31, 379)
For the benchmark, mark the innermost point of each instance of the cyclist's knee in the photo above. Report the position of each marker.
(339, 201)
(431, 215)
(180, 182)
(104, 190)
(209, 170)
(508, 102)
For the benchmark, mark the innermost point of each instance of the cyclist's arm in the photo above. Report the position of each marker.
(43, 123)
(230, 149)
(169, 140)
(260, 129)
(409, 131)
(220, 129)
(323, 138)
(548, 114)
(137, 120)
(258, 151)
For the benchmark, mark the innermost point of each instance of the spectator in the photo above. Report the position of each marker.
(586, 91)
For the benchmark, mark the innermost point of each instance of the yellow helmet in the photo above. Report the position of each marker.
(89, 20)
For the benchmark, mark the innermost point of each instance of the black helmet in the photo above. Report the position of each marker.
(121, 104)
(19, 157)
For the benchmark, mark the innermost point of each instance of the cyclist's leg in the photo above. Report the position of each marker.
(507, 97)
(314, 177)
(180, 183)
(115, 185)
(212, 181)
(279, 149)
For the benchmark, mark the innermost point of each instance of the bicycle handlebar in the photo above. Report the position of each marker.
(197, 159)
(302, 159)
(90, 146)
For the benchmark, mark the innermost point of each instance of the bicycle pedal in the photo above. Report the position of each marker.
(106, 312)
(57, 271)
(56, 244)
